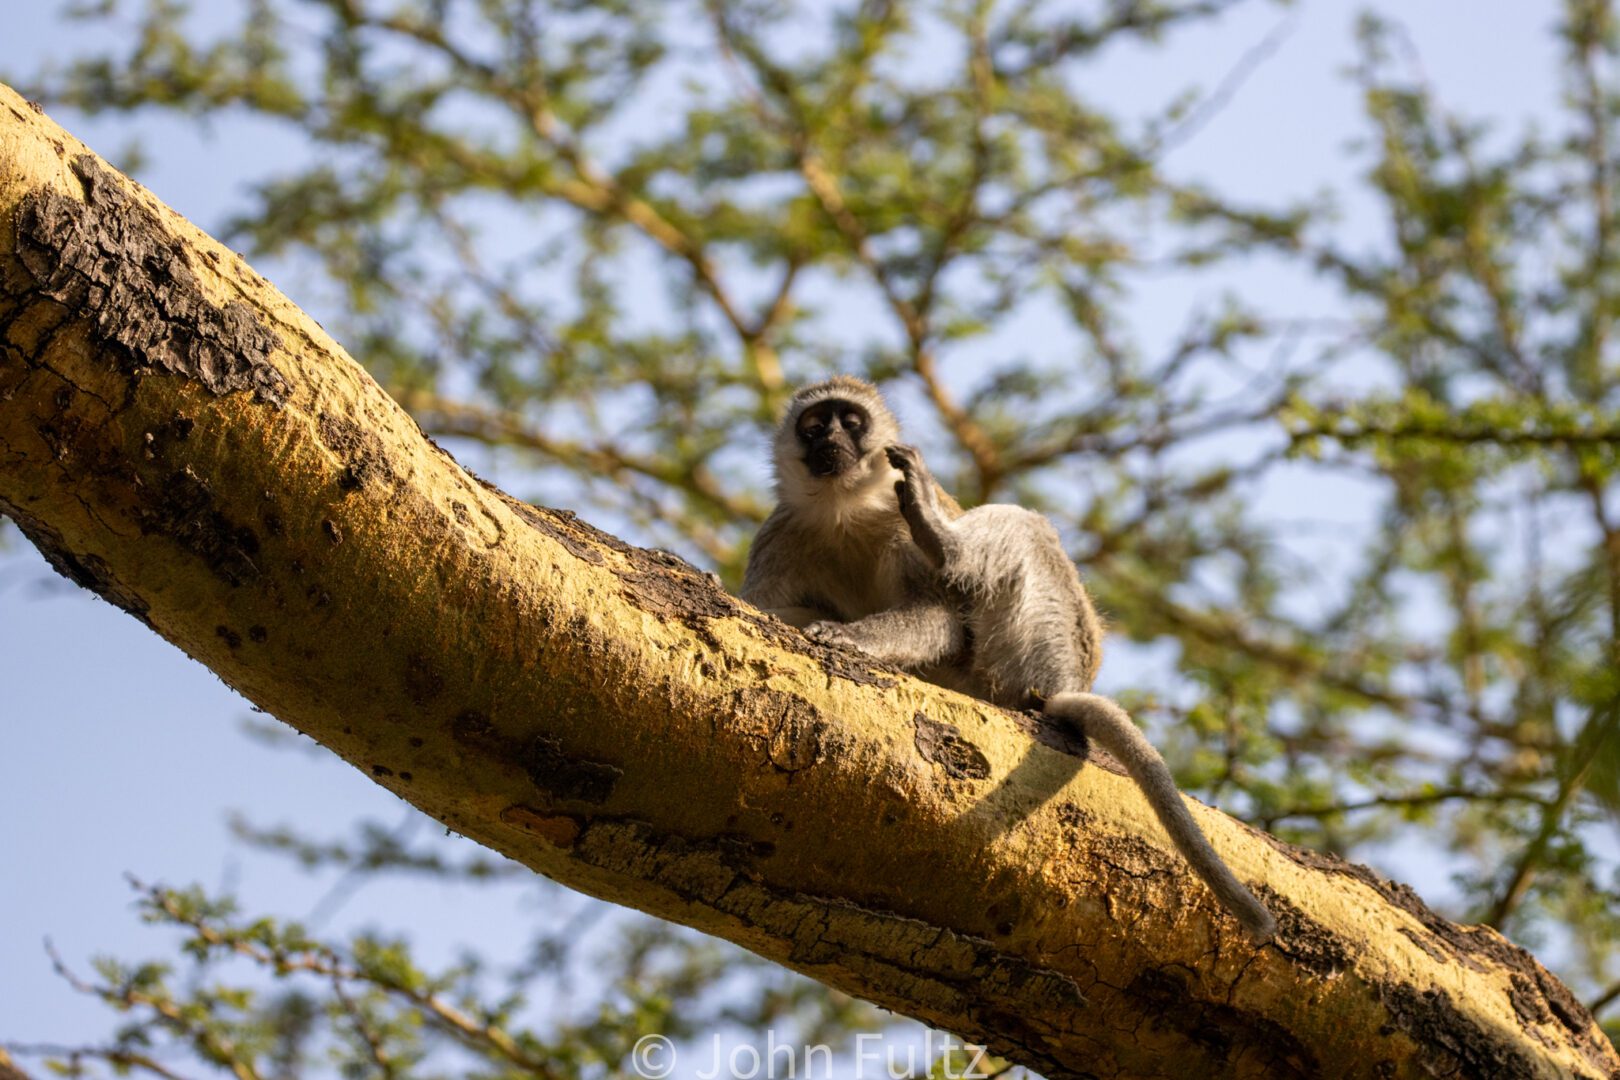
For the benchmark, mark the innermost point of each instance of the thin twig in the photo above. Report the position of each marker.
(1422, 798)
(214, 1049)
(1599, 727)
(120, 1059)
(1218, 99)
(1604, 1000)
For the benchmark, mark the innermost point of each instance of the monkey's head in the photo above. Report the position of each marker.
(832, 438)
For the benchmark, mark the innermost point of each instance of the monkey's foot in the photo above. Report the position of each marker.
(919, 502)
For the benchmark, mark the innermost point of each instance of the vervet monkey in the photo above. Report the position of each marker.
(865, 550)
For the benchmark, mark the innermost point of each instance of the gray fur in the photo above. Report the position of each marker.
(880, 559)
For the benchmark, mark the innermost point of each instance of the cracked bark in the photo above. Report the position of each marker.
(178, 437)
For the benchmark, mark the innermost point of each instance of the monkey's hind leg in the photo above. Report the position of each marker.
(919, 505)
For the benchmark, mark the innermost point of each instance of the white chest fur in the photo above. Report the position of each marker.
(855, 545)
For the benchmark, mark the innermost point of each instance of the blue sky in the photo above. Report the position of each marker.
(122, 755)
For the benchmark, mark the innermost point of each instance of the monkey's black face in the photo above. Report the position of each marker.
(833, 434)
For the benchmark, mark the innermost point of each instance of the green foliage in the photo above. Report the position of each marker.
(606, 239)
(261, 998)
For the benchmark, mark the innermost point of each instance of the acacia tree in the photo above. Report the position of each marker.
(969, 206)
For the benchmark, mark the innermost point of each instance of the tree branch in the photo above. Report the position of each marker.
(178, 437)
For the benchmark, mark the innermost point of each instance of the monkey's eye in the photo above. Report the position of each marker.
(853, 420)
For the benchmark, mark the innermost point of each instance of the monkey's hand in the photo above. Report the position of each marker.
(919, 502)
(910, 637)
(907, 459)
(835, 634)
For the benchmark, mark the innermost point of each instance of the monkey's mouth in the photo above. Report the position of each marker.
(828, 459)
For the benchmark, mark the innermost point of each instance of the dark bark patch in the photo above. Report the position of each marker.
(1448, 1042)
(846, 665)
(231, 638)
(64, 434)
(798, 737)
(1222, 1031)
(165, 498)
(656, 581)
(943, 744)
(1064, 738)
(364, 460)
(1528, 1001)
(1576, 1018)
(791, 733)
(559, 525)
(1073, 817)
(698, 866)
(111, 259)
(181, 507)
(566, 777)
(173, 503)
(1426, 942)
(1302, 939)
(84, 570)
(549, 767)
(1458, 942)
(669, 586)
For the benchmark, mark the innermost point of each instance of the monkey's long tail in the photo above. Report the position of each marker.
(1101, 719)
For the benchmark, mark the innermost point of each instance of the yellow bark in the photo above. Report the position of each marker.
(177, 436)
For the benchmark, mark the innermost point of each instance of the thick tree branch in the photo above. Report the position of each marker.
(178, 437)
